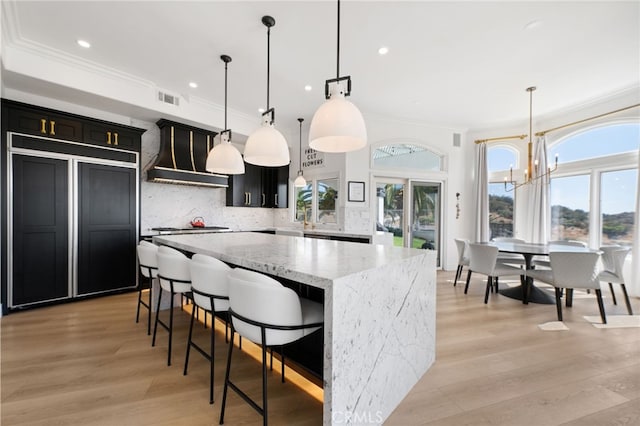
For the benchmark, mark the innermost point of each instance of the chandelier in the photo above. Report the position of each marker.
(533, 172)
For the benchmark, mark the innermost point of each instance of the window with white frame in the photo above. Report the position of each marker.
(593, 196)
(318, 199)
(500, 159)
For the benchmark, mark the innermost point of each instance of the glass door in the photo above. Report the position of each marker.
(424, 224)
(390, 208)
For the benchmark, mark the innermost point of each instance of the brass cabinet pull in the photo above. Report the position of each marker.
(43, 126)
(53, 128)
(108, 138)
(115, 142)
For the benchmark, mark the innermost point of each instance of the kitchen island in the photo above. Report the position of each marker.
(379, 311)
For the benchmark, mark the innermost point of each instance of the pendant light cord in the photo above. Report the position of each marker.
(268, 62)
(338, 45)
(300, 159)
(225, 95)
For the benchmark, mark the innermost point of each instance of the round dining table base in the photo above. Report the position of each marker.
(535, 295)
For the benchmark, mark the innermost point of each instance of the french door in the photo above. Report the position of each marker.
(412, 211)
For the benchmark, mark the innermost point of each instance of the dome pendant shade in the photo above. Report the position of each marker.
(300, 182)
(225, 158)
(337, 126)
(266, 147)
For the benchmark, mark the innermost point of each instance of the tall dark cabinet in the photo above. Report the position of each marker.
(70, 205)
(259, 187)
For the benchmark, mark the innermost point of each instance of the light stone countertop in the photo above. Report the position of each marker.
(316, 262)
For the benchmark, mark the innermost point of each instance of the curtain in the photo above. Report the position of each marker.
(634, 287)
(482, 233)
(539, 195)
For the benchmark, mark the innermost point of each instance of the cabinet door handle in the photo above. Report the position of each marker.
(43, 126)
(276, 199)
(53, 128)
(249, 194)
(115, 142)
(264, 199)
(246, 198)
(108, 138)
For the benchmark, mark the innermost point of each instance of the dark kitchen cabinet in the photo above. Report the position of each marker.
(259, 187)
(245, 190)
(42, 122)
(111, 135)
(70, 214)
(106, 228)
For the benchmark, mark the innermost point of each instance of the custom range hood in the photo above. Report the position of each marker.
(183, 156)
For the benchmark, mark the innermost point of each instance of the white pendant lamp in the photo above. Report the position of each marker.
(224, 157)
(337, 126)
(300, 180)
(266, 146)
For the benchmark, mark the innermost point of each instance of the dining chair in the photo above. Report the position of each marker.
(483, 260)
(175, 278)
(543, 261)
(570, 270)
(210, 287)
(148, 261)
(463, 259)
(613, 258)
(268, 314)
(510, 258)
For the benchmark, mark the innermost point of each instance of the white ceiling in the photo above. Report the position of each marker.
(464, 64)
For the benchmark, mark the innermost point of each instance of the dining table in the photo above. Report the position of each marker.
(527, 291)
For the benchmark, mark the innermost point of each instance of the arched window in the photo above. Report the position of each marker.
(406, 156)
(593, 193)
(501, 158)
(597, 143)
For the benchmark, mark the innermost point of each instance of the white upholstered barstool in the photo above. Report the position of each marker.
(148, 261)
(268, 314)
(210, 288)
(175, 278)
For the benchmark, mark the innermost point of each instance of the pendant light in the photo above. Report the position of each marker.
(300, 180)
(337, 126)
(266, 146)
(224, 157)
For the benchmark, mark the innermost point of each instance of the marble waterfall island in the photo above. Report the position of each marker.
(379, 309)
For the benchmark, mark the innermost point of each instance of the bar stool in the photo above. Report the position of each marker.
(148, 260)
(268, 314)
(210, 288)
(175, 278)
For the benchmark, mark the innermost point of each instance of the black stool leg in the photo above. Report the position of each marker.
(150, 301)
(559, 303)
(155, 327)
(213, 348)
(186, 358)
(226, 376)
(601, 305)
(626, 299)
(264, 380)
(486, 291)
(613, 294)
(466, 287)
(170, 326)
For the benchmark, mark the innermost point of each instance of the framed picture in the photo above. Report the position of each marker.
(356, 191)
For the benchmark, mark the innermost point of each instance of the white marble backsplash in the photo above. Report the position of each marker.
(357, 219)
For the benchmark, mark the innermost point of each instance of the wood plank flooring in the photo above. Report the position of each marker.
(89, 363)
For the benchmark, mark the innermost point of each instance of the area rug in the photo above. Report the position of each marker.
(553, 326)
(615, 321)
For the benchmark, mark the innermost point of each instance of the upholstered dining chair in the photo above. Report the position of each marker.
(463, 257)
(570, 270)
(174, 275)
(268, 314)
(613, 262)
(483, 260)
(543, 261)
(148, 261)
(210, 288)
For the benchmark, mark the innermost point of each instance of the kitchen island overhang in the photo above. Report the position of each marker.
(379, 308)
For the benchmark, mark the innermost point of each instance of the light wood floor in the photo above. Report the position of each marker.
(88, 363)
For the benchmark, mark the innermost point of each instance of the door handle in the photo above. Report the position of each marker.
(53, 128)
(115, 142)
(43, 126)
(108, 138)
(264, 199)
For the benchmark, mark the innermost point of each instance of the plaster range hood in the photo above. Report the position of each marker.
(183, 156)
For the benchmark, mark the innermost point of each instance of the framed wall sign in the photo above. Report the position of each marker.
(355, 191)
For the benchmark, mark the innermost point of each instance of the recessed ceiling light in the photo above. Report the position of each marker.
(261, 110)
(533, 24)
(308, 88)
(84, 43)
(383, 50)
(193, 85)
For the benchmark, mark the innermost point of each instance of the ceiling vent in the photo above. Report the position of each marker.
(168, 98)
